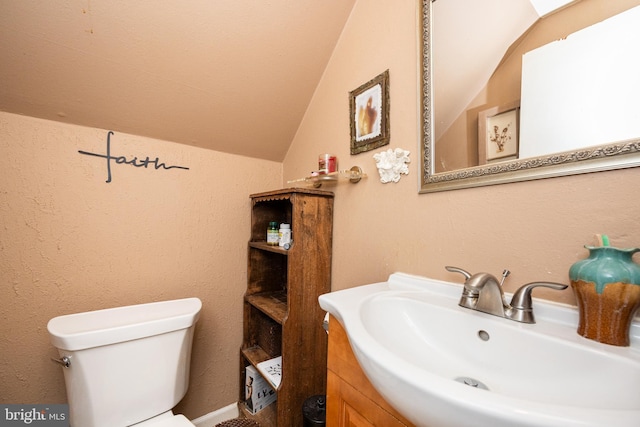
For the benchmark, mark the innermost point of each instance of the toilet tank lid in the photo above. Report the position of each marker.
(103, 327)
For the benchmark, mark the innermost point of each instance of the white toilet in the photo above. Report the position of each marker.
(127, 365)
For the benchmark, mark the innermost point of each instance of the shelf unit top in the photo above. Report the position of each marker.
(285, 192)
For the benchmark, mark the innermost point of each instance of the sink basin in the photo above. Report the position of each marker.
(441, 365)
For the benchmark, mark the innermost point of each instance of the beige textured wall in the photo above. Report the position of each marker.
(536, 229)
(69, 242)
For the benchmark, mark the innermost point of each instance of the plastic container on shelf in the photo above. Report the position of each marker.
(284, 235)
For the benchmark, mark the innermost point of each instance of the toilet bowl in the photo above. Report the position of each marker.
(129, 365)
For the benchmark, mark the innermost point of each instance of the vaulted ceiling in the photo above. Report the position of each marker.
(229, 75)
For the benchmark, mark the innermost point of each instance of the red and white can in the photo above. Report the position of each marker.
(327, 163)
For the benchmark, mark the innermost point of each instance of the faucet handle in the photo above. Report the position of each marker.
(521, 301)
(465, 273)
(522, 297)
(469, 296)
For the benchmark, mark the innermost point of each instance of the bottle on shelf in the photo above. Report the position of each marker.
(284, 235)
(273, 234)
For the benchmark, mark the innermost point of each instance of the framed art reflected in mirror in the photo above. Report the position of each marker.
(498, 134)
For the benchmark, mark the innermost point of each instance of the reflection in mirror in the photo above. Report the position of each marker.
(482, 61)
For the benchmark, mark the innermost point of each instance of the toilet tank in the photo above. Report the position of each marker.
(127, 364)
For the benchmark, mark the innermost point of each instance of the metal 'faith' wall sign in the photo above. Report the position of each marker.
(139, 163)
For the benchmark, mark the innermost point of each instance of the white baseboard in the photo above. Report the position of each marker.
(218, 416)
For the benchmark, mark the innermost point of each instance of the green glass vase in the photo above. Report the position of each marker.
(607, 290)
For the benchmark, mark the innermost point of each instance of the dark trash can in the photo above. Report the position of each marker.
(314, 411)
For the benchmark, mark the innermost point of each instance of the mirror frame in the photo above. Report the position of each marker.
(622, 154)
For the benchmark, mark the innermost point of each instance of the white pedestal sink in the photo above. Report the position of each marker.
(442, 365)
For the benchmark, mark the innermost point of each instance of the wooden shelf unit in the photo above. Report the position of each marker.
(282, 316)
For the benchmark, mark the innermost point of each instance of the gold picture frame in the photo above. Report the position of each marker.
(369, 114)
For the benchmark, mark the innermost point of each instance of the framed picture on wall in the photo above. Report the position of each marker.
(369, 114)
(498, 133)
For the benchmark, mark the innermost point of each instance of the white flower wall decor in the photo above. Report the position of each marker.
(391, 164)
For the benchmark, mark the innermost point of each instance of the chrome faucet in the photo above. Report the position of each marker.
(482, 292)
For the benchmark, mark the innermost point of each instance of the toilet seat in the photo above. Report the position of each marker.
(175, 421)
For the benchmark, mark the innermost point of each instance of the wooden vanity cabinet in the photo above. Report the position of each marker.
(351, 399)
(281, 312)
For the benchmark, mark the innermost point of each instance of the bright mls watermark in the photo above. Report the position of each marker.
(34, 415)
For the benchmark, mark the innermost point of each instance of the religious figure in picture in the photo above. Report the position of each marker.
(367, 115)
